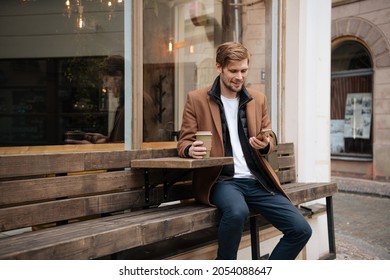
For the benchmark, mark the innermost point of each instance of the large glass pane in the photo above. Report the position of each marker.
(350, 56)
(50, 56)
(180, 37)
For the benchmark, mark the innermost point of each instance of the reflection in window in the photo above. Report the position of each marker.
(49, 68)
(179, 44)
(351, 100)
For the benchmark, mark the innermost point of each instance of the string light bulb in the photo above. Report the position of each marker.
(170, 45)
(81, 22)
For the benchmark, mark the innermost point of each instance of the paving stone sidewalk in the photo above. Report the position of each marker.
(362, 226)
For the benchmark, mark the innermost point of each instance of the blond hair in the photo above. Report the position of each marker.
(231, 51)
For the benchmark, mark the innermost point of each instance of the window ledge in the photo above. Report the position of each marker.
(355, 157)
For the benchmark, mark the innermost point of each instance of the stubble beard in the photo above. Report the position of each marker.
(231, 88)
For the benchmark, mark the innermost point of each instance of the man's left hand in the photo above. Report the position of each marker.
(259, 143)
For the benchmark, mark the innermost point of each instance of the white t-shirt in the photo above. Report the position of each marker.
(241, 169)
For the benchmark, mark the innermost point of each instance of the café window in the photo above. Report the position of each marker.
(179, 42)
(51, 54)
(351, 101)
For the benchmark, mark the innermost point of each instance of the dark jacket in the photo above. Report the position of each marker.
(117, 134)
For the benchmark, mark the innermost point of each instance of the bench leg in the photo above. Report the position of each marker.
(167, 184)
(255, 241)
(331, 233)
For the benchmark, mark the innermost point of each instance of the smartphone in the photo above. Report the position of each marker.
(265, 131)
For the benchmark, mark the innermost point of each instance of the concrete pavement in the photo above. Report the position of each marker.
(361, 216)
(362, 186)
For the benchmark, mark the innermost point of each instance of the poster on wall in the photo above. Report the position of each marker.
(358, 114)
(336, 136)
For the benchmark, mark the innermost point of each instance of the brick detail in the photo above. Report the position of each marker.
(369, 33)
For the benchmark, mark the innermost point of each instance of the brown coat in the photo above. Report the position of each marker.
(202, 113)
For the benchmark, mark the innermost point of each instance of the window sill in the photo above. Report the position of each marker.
(352, 157)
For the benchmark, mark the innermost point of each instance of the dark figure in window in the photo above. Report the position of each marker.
(112, 74)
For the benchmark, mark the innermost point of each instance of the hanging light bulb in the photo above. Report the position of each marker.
(68, 8)
(80, 19)
(111, 9)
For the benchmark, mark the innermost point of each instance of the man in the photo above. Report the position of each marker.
(112, 72)
(235, 115)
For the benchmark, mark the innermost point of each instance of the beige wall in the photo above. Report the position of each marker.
(369, 20)
(254, 38)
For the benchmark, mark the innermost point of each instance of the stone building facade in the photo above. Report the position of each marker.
(367, 23)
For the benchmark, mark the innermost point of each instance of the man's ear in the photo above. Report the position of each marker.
(219, 68)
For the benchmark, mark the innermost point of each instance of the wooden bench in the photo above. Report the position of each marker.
(91, 205)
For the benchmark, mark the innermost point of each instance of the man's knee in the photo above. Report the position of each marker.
(304, 230)
(237, 214)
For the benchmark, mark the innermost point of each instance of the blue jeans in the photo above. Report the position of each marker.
(234, 197)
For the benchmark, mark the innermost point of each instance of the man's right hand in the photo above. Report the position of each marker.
(197, 150)
(89, 138)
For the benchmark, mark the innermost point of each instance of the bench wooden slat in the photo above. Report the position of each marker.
(285, 149)
(42, 164)
(30, 190)
(77, 207)
(22, 165)
(66, 209)
(19, 191)
(286, 162)
(304, 192)
(100, 237)
(287, 176)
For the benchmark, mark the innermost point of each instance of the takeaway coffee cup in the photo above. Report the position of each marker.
(205, 137)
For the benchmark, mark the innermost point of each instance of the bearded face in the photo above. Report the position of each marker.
(233, 76)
